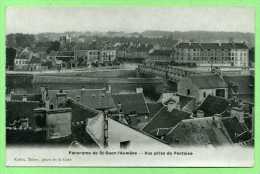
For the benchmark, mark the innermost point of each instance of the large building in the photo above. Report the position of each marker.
(96, 56)
(200, 86)
(209, 54)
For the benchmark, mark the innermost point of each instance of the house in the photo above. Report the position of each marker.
(200, 86)
(22, 59)
(213, 105)
(48, 126)
(107, 56)
(114, 134)
(35, 64)
(233, 54)
(24, 97)
(99, 99)
(133, 107)
(67, 57)
(89, 56)
(207, 131)
(241, 88)
(165, 119)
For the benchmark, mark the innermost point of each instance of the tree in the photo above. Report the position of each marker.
(20, 40)
(54, 46)
(10, 56)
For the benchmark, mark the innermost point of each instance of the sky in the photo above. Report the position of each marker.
(128, 19)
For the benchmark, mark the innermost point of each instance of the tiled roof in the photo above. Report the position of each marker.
(233, 127)
(165, 119)
(19, 109)
(93, 98)
(131, 103)
(196, 45)
(244, 84)
(80, 112)
(191, 45)
(154, 107)
(210, 45)
(199, 131)
(208, 81)
(29, 97)
(240, 46)
(213, 105)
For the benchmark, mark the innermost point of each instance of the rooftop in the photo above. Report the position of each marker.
(213, 105)
(165, 119)
(93, 98)
(131, 103)
(198, 131)
(197, 45)
(208, 81)
(241, 84)
(233, 127)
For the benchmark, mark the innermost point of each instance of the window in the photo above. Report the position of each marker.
(204, 94)
(188, 91)
(220, 92)
(124, 144)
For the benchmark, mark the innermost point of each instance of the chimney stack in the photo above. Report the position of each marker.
(109, 89)
(61, 97)
(24, 99)
(139, 90)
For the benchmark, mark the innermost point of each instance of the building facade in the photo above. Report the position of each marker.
(212, 54)
(200, 86)
(96, 56)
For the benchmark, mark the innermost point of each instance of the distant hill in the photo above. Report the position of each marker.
(204, 36)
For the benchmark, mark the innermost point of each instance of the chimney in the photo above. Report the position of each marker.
(109, 89)
(78, 98)
(61, 97)
(119, 106)
(139, 90)
(47, 104)
(200, 114)
(44, 93)
(24, 99)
